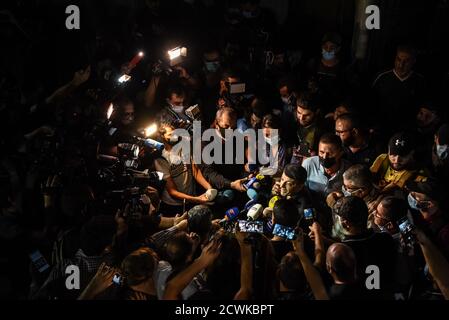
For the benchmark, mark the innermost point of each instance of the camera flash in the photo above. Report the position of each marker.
(149, 131)
(110, 111)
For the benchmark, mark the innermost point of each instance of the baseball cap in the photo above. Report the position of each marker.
(400, 144)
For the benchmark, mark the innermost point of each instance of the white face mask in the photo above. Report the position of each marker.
(286, 100)
(442, 151)
(178, 109)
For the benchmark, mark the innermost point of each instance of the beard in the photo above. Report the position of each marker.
(348, 142)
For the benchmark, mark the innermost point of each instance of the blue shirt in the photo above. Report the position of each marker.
(318, 181)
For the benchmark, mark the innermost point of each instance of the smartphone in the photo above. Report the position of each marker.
(284, 232)
(237, 88)
(39, 261)
(117, 279)
(229, 226)
(406, 228)
(251, 226)
(309, 214)
(303, 150)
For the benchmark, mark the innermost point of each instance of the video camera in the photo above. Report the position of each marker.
(174, 57)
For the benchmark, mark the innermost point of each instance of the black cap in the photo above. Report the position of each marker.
(400, 144)
(443, 134)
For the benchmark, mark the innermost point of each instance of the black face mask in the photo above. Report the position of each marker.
(328, 162)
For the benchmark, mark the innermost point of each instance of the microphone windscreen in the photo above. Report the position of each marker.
(252, 194)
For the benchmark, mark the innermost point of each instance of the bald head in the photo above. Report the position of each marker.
(341, 263)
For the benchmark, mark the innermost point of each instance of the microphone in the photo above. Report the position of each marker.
(249, 204)
(231, 214)
(252, 194)
(152, 144)
(211, 194)
(250, 183)
(255, 212)
(273, 201)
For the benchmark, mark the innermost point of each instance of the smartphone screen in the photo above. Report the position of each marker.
(308, 214)
(39, 261)
(117, 279)
(284, 232)
(251, 226)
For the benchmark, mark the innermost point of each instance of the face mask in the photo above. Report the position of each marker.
(248, 14)
(383, 228)
(328, 55)
(328, 162)
(412, 202)
(442, 151)
(178, 109)
(285, 100)
(212, 66)
(345, 192)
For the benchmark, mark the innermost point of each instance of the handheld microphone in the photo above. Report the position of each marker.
(273, 201)
(249, 204)
(211, 194)
(255, 212)
(250, 183)
(231, 214)
(252, 194)
(153, 144)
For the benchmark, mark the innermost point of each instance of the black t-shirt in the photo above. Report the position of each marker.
(376, 249)
(354, 291)
(398, 100)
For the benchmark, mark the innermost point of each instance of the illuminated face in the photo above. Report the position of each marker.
(329, 46)
(398, 162)
(284, 92)
(403, 64)
(226, 122)
(305, 116)
(128, 114)
(353, 189)
(425, 117)
(256, 122)
(289, 186)
(176, 100)
(326, 151)
(380, 216)
(344, 130)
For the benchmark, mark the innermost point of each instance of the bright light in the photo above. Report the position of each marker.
(177, 52)
(141, 54)
(149, 131)
(110, 111)
(124, 78)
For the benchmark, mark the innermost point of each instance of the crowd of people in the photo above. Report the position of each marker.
(362, 164)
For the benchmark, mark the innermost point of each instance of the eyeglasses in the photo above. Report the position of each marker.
(351, 190)
(128, 114)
